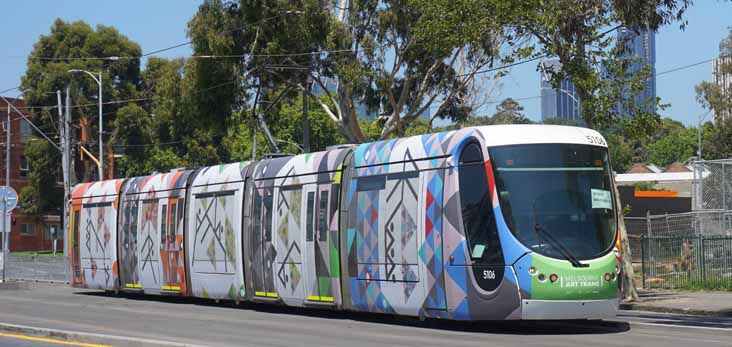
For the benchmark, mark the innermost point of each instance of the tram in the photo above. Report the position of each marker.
(482, 223)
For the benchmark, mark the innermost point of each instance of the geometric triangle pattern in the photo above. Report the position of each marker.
(431, 250)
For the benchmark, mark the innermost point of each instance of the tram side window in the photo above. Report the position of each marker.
(257, 215)
(179, 221)
(322, 217)
(163, 224)
(310, 214)
(173, 221)
(479, 222)
(268, 217)
(75, 235)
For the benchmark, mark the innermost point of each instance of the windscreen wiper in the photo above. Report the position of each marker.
(562, 249)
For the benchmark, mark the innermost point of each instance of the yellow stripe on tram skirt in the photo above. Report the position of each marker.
(171, 288)
(320, 298)
(133, 285)
(267, 294)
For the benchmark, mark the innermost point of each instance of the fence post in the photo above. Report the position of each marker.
(643, 260)
(702, 260)
(724, 188)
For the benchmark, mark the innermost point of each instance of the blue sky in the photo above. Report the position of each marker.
(158, 24)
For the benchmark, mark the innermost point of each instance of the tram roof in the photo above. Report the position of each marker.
(514, 134)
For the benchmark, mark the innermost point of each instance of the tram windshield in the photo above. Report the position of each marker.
(557, 199)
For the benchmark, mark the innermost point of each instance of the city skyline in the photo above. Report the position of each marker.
(563, 102)
(639, 52)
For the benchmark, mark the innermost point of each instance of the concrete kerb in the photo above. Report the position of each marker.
(14, 285)
(687, 311)
(89, 338)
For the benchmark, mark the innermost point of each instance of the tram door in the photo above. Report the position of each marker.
(263, 251)
(317, 232)
(289, 242)
(149, 243)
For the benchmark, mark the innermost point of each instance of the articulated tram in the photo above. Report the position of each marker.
(481, 223)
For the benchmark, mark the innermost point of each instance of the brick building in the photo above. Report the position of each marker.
(28, 233)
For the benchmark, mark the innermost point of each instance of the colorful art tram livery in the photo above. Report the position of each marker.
(484, 223)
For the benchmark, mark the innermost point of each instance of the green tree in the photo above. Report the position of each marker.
(509, 111)
(678, 145)
(285, 123)
(400, 57)
(621, 152)
(43, 194)
(578, 34)
(559, 121)
(131, 138)
(718, 140)
(47, 71)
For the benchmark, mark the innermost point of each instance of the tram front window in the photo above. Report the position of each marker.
(557, 198)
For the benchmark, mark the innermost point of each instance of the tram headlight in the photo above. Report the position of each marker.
(553, 278)
(542, 278)
(532, 271)
(608, 277)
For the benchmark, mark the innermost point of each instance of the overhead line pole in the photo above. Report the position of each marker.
(63, 129)
(6, 233)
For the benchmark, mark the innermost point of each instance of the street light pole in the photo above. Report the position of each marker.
(6, 233)
(101, 119)
(101, 132)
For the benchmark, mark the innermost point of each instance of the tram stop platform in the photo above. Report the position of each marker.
(703, 303)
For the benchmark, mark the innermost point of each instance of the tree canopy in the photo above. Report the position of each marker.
(409, 62)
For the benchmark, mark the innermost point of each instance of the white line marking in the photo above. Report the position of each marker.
(676, 326)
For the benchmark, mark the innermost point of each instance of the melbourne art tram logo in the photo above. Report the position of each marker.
(580, 281)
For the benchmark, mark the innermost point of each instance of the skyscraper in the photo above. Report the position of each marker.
(563, 102)
(640, 51)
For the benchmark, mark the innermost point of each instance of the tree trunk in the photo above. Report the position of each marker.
(628, 291)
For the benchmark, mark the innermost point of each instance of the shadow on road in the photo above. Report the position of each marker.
(558, 327)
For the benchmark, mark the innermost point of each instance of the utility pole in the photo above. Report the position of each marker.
(305, 124)
(101, 132)
(65, 169)
(254, 124)
(6, 233)
(67, 136)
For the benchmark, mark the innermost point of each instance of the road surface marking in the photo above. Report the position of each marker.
(58, 342)
(677, 326)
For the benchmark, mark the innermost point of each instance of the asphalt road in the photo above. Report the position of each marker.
(21, 340)
(204, 323)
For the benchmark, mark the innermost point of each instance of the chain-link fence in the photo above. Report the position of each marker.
(712, 185)
(636, 228)
(672, 262)
(696, 223)
(684, 250)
